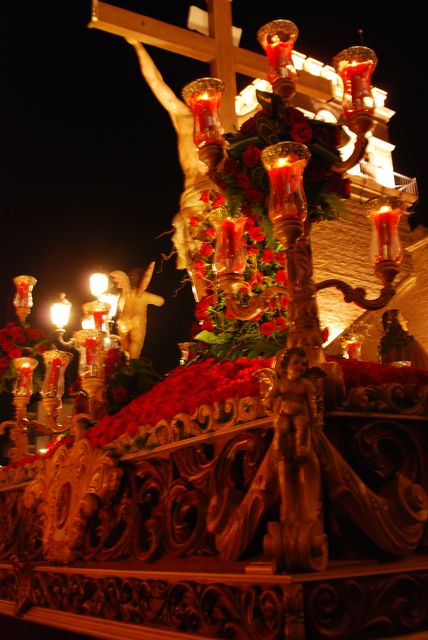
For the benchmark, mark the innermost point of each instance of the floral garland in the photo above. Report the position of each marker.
(244, 187)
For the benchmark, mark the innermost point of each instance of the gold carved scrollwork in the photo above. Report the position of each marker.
(76, 482)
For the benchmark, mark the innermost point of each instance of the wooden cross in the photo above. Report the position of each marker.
(217, 49)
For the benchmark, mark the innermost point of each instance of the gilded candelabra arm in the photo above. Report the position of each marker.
(60, 338)
(358, 294)
(255, 305)
(355, 157)
(361, 124)
(52, 408)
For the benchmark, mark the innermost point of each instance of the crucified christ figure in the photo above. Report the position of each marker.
(195, 172)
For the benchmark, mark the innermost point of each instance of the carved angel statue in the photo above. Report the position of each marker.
(291, 396)
(132, 307)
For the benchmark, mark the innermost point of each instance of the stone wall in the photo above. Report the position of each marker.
(341, 249)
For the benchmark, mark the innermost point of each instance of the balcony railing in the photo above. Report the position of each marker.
(389, 178)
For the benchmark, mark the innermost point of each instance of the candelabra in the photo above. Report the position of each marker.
(298, 539)
(92, 342)
(285, 163)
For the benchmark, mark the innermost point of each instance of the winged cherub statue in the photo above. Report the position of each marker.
(132, 307)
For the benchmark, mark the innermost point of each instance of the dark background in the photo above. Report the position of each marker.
(90, 177)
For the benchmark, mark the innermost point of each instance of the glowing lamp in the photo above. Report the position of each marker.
(277, 39)
(23, 299)
(385, 213)
(355, 67)
(23, 387)
(60, 312)
(203, 96)
(56, 363)
(98, 283)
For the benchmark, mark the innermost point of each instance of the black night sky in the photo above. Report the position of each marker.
(90, 177)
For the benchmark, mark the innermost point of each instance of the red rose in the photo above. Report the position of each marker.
(15, 353)
(4, 363)
(205, 196)
(205, 250)
(301, 132)
(281, 277)
(280, 323)
(268, 255)
(252, 250)
(266, 328)
(198, 266)
(251, 156)
(207, 325)
(256, 234)
(280, 258)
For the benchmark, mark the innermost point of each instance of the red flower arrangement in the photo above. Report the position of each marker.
(244, 186)
(17, 341)
(209, 380)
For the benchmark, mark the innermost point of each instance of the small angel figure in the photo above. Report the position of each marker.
(132, 307)
(291, 396)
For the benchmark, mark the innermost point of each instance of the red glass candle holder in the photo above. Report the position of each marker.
(90, 345)
(385, 213)
(229, 254)
(355, 67)
(204, 97)
(23, 387)
(56, 362)
(277, 39)
(285, 163)
(23, 299)
(99, 311)
(351, 347)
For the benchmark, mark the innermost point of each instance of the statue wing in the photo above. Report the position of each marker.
(145, 280)
(121, 280)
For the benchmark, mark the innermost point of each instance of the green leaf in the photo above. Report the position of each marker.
(329, 154)
(210, 338)
(237, 148)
